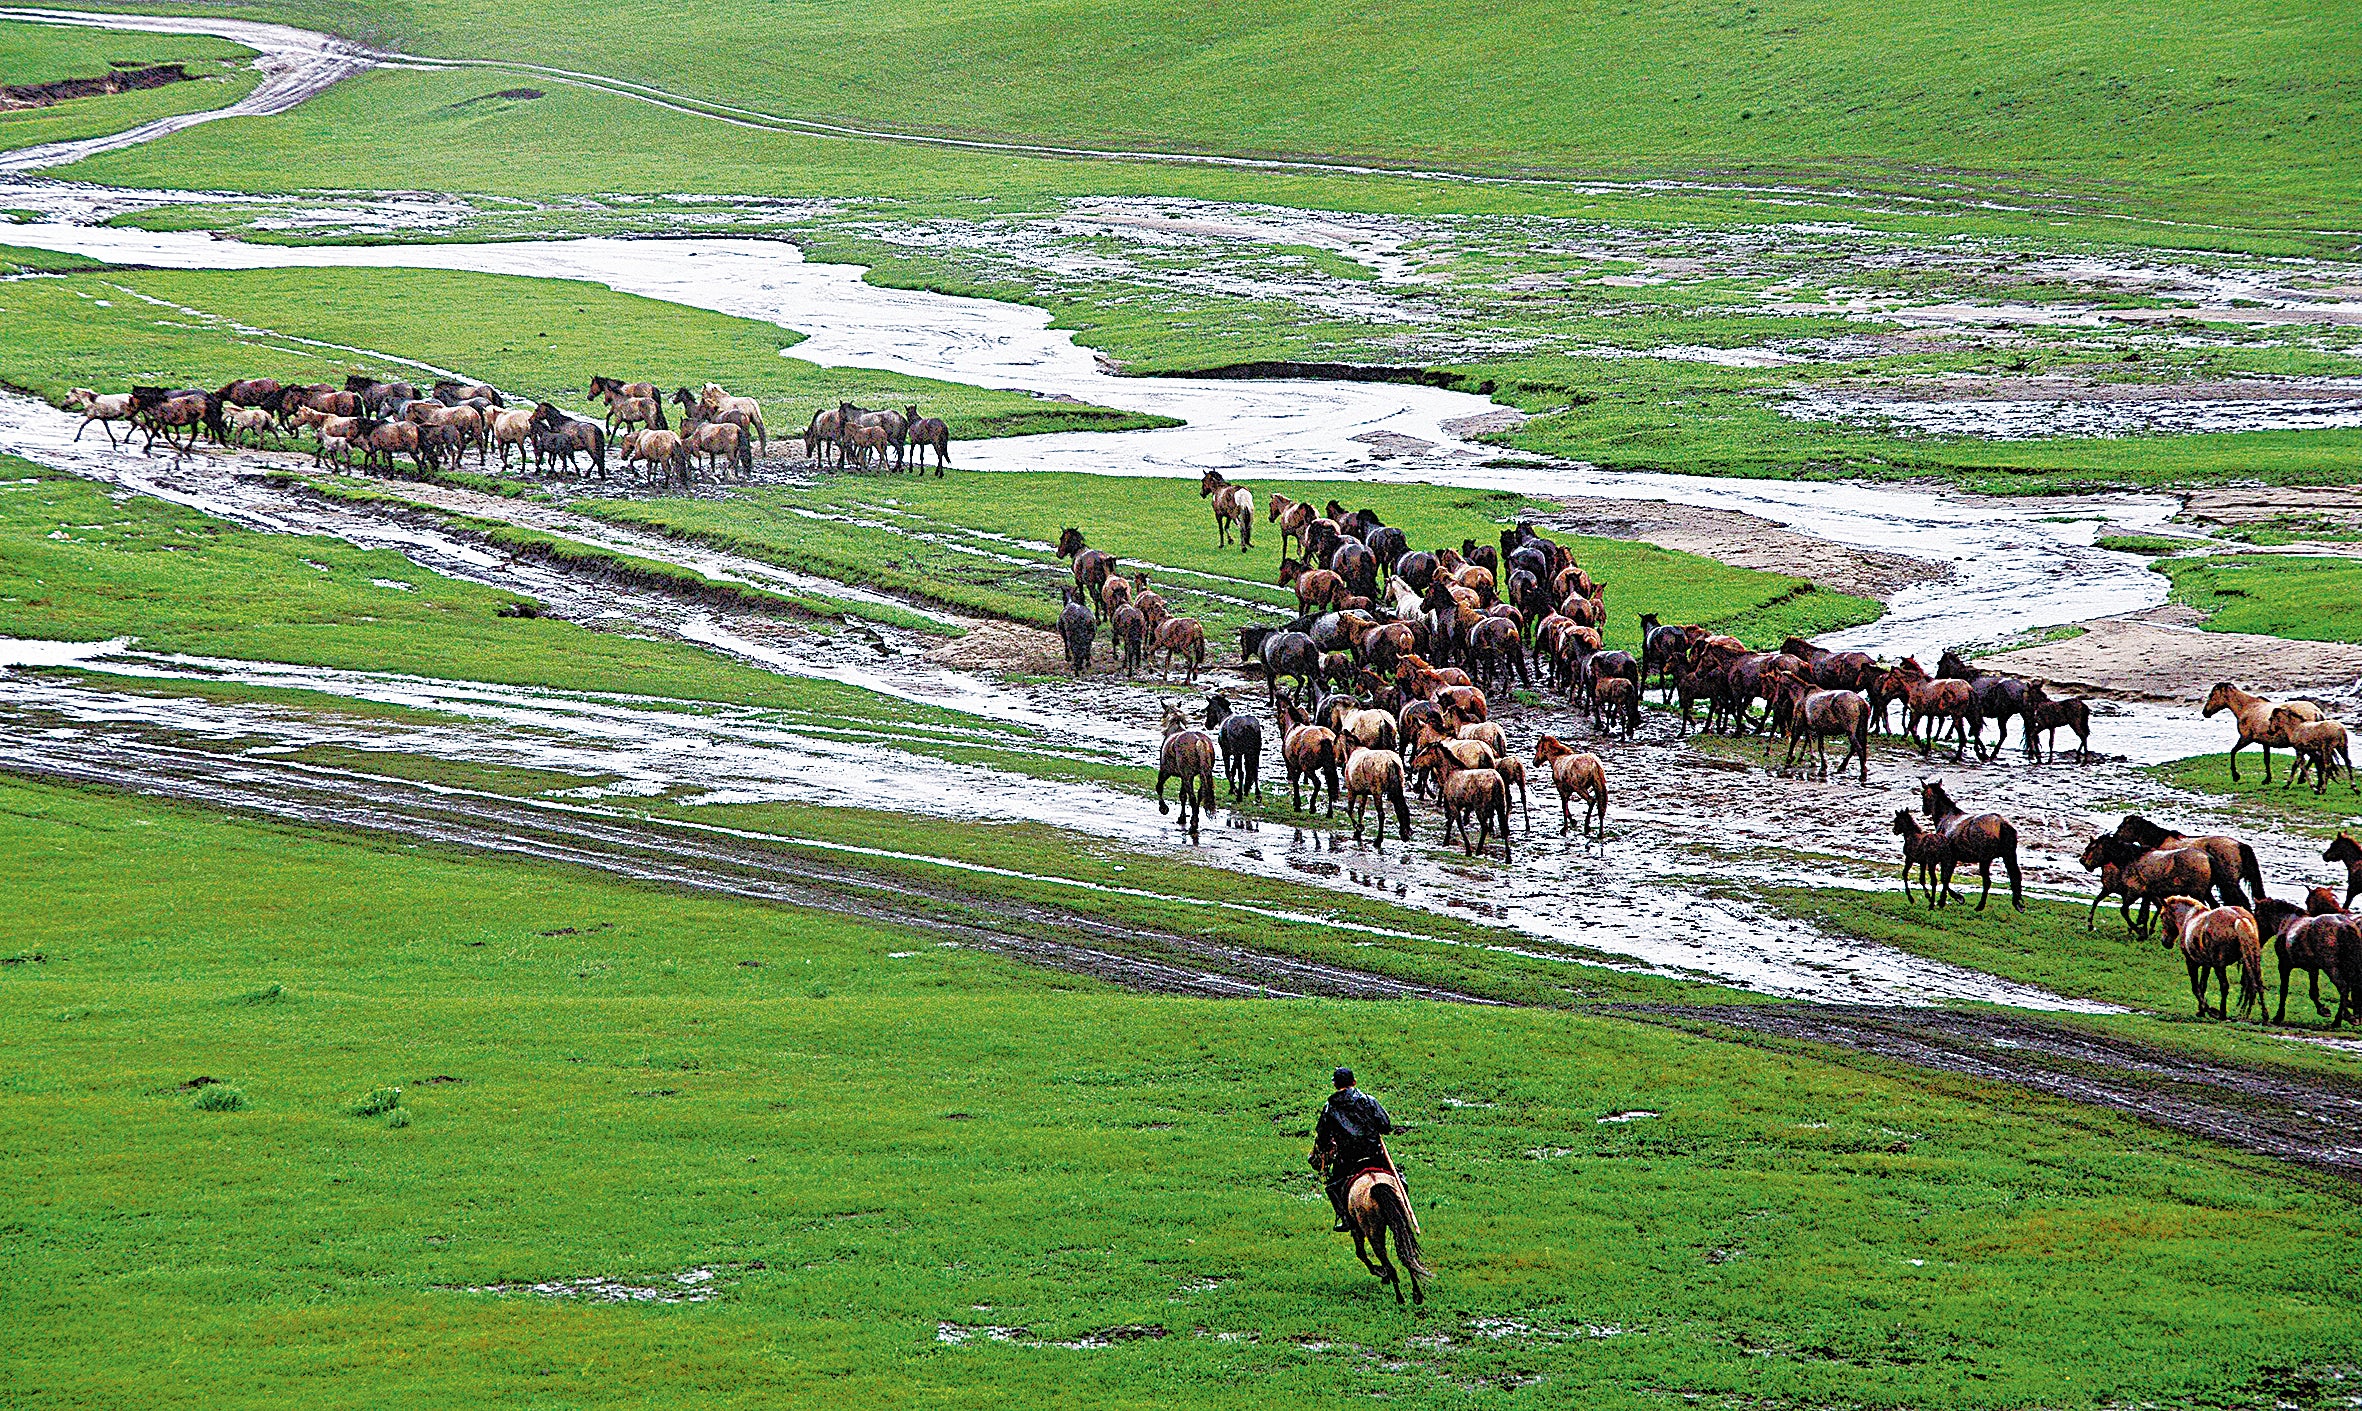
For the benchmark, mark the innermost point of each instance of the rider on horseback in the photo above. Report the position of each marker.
(1349, 1139)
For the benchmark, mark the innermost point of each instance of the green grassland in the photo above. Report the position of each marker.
(532, 337)
(1164, 523)
(2313, 599)
(2339, 807)
(2225, 111)
(38, 53)
(875, 1153)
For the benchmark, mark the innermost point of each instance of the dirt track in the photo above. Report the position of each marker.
(2292, 1117)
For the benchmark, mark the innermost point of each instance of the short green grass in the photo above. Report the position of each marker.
(39, 53)
(878, 1145)
(1165, 526)
(2280, 595)
(541, 338)
(2339, 806)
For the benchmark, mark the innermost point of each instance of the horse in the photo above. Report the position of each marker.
(376, 397)
(1315, 586)
(2311, 944)
(2212, 940)
(452, 393)
(1128, 631)
(2320, 747)
(567, 435)
(887, 423)
(163, 412)
(1615, 701)
(1187, 755)
(253, 421)
(1466, 794)
(1308, 751)
(1947, 698)
(1091, 567)
(512, 426)
(721, 406)
(2346, 850)
(2232, 859)
(2255, 717)
(1292, 516)
(1076, 627)
(1281, 653)
(609, 389)
(2150, 877)
(661, 451)
(1374, 777)
(921, 432)
(1925, 851)
(1183, 637)
(1824, 713)
(1574, 774)
(1234, 505)
(2046, 717)
(1241, 738)
(113, 407)
(1981, 840)
(723, 443)
(1376, 1205)
(820, 433)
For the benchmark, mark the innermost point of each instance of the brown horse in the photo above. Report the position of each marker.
(2311, 944)
(1294, 519)
(1129, 631)
(2255, 717)
(1091, 567)
(164, 412)
(2234, 861)
(1373, 778)
(1924, 851)
(1929, 702)
(1574, 774)
(2346, 849)
(922, 432)
(724, 444)
(661, 451)
(1824, 713)
(2149, 877)
(1308, 751)
(2320, 747)
(1234, 507)
(2046, 717)
(1185, 638)
(2212, 940)
(1187, 755)
(1315, 586)
(1467, 794)
(1980, 840)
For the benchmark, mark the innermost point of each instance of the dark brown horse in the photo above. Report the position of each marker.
(2150, 877)
(2346, 850)
(1091, 566)
(565, 435)
(1468, 795)
(2233, 860)
(1234, 507)
(1187, 755)
(1980, 840)
(1924, 851)
(922, 432)
(2311, 944)
(1822, 714)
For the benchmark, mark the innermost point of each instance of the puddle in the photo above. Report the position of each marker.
(693, 1286)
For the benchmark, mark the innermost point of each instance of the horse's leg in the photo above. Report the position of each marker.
(2197, 982)
(1985, 869)
(2318, 1007)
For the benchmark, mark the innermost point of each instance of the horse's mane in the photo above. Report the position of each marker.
(2142, 831)
(2271, 913)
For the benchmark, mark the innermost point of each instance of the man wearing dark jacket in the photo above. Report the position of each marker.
(1349, 1139)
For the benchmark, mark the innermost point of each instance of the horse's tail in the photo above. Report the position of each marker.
(1398, 1221)
(2251, 872)
(661, 423)
(2009, 859)
(2251, 973)
(1246, 521)
(1861, 743)
(1402, 806)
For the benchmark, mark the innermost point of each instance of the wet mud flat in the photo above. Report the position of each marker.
(2164, 655)
(1747, 541)
(2305, 1118)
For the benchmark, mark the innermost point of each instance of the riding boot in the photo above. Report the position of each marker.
(1337, 1199)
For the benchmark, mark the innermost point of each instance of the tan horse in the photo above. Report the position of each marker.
(113, 407)
(1468, 794)
(660, 451)
(1182, 637)
(717, 403)
(1234, 506)
(1310, 753)
(1574, 774)
(2320, 747)
(2212, 940)
(512, 426)
(1374, 778)
(2254, 715)
(1376, 1205)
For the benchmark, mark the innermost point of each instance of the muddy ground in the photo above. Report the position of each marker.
(2164, 655)
(1745, 541)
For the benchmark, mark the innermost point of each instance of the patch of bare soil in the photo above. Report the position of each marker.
(41, 95)
(1744, 541)
(2334, 506)
(2051, 389)
(1003, 647)
(2161, 655)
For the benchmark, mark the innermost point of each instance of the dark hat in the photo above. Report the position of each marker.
(1343, 1077)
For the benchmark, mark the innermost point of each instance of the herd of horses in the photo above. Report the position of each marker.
(371, 423)
(1380, 692)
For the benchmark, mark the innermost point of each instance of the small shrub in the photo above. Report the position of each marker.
(380, 1101)
(399, 1117)
(268, 994)
(218, 1097)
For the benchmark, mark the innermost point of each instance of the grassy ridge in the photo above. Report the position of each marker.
(2224, 110)
(39, 53)
(596, 1081)
(1166, 523)
(2314, 599)
(533, 337)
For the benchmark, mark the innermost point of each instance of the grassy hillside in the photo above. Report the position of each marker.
(2224, 109)
(870, 1153)
(38, 53)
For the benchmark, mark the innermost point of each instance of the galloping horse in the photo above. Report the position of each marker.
(1233, 505)
(1376, 1205)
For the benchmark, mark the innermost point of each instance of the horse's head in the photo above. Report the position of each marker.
(1933, 801)
(2343, 849)
(2095, 853)
(1548, 748)
(355, 382)
(1209, 482)
(2174, 918)
(2274, 915)
(2321, 901)
(1070, 542)
(2136, 829)
(2218, 699)
(1218, 709)
(1289, 570)
(1904, 824)
(1175, 721)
